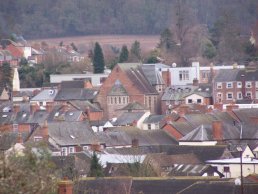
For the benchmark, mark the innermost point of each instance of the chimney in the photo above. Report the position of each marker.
(218, 106)
(231, 107)
(96, 147)
(65, 186)
(195, 82)
(135, 143)
(78, 148)
(166, 78)
(254, 119)
(49, 107)
(44, 130)
(33, 108)
(183, 109)
(16, 108)
(87, 84)
(217, 130)
(19, 138)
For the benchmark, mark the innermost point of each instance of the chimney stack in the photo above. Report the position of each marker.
(44, 130)
(166, 78)
(65, 186)
(19, 138)
(16, 108)
(218, 106)
(231, 107)
(49, 107)
(87, 84)
(195, 82)
(96, 147)
(33, 108)
(217, 130)
(135, 143)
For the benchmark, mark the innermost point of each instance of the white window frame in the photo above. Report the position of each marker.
(184, 75)
(248, 84)
(249, 95)
(239, 93)
(71, 150)
(239, 84)
(219, 85)
(229, 85)
(64, 151)
(231, 97)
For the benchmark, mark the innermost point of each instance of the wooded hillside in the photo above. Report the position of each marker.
(54, 18)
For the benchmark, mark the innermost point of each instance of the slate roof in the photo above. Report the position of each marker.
(226, 75)
(182, 127)
(6, 118)
(199, 119)
(67, 94)
(128, 118)
(152, 74)
(71, 133)
(177, 93)
(60, 115)
(72, 84)
(8, 139)
(154, 119)
(45, 95)
(204, 133)
(136, 75)
(122, 136)
(84, 105)
(38, 117)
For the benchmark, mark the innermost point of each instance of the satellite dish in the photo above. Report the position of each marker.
(237, 181)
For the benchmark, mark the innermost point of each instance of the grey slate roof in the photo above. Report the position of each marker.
(8, 139)
(38, 117)
(59, 115)
(152, 74)
(136, 75)
(182, 127)
(226, 75)
(84, 105)
(122, 136)
(67, 94)
(204, 133)
(134, 106)
(71, 133)
(72, 84)
(45, 95)
(128, 118)
(177, 93)
(199, 119)
(154, 118)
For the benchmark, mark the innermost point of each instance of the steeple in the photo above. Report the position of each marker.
(16, 81)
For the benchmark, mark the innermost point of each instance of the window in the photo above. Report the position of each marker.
(37, 138)
(248, 84)
(219, 95)
(205, 74)
(199, 101)
(229, 85)
(239, 95)
(71, 149)
(249, 95)
(149, 126)
(239, 84)
(219, 85)
(226, 169)
(229, 96)
(85, 147)
(190, 101)
(64, 152)
(183, 75)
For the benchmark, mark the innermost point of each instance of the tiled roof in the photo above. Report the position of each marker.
(72, 84)
(182, 127)
(177, 92)
(152, 74)
(227, 75)
(45, 95)
(154, 118)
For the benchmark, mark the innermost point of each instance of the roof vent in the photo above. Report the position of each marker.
(4, 116)
(51, 92)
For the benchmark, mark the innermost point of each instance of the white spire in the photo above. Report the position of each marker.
(16, 80)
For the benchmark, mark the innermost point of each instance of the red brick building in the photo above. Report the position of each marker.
(126, 83)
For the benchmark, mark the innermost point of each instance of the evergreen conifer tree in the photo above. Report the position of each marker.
(98, 59)
(124, 54)
(95, 167)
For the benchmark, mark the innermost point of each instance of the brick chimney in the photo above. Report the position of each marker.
(87, 84)
(135, 143)
(78, 148)
(44, 130)
(33, 108)
(49, 107)
(218, 106)
(19, 138)
(217, 130)
(65, 186)
(231, 107)
(166, 78)
(96, 147)
(195, 82)
(254, 119)
(183, 109)
(16, 108)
